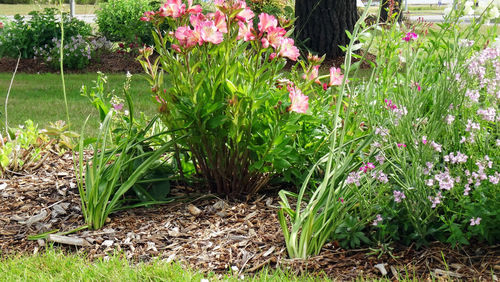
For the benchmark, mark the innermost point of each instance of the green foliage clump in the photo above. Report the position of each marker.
(119, 20)
(23, 35)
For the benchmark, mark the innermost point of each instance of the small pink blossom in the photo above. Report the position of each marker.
(418, 86)
(424, 139)
(147, 16)
(401, 145)
(367, 167)
(380, 158)
(354, 178)
(410, 36)
(300, 102)
(449, 119)
(475, 221)
(377, 220)
(313, 74)
(336, 76)
(398, 196)
(435, 200)
(437, 147)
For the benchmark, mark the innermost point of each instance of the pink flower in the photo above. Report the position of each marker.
(220, 21)
(401, 145)
(335, 76)
(266, 21)
(176, 48)
(173, 8)
(196, 9)
(1, 24)
(246, 31)
(209, 33)
(300, 102)
(475, 221)
(287, 49)
(275, 35)
(246, 15)
(410, 36)
(313, 74)
(196, 19)
(418, 86)
(187, 37)
(377, 220)
(398, 196)
(147, 16)
(265, 42)
(424, 139)
(118, 107)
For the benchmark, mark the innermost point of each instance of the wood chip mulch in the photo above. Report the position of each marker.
(207, 234)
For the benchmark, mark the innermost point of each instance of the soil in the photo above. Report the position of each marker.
(107, 63)
(207, 233)
(121, 63)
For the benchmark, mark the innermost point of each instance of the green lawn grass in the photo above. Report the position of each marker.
(24, 9)
(39, 97)
(55, 266)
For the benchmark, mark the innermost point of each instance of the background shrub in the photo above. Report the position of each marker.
(23, 36)
(119, 20)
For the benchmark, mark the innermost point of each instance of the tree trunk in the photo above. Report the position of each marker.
(320, 25)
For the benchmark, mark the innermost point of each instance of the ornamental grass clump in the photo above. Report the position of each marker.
(217, 78)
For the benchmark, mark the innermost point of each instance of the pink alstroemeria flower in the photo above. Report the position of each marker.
(187, 37)
(288, 49)
(1, 24)
(266, 21)
(196, 19)
(147, 16)
(209, 32)
(313, 74)
(275, 35)
(246, 31)
(219, 20)
(173, 8)
(196, 9)
(335, 76)
(300, 102)
(410, 36)
(245, 16)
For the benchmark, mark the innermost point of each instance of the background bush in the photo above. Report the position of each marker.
(23, 36)
(49, 1)
(119, 20)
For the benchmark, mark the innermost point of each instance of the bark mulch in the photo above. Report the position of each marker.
(107, 63)
(207, 233)
(121, 63)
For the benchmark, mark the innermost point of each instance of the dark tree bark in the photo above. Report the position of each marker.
(320, 25)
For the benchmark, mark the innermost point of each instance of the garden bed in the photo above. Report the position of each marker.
(107, 63)
(222, 236)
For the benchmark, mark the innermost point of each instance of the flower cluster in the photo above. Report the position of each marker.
(211, 27)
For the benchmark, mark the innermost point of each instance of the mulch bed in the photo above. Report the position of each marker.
(121, 63)
(107, 63)
(222, 236)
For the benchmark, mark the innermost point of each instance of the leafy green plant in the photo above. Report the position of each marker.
(316, 218)
(78, 51)
(119, 20)
(121, 164)
(23, 36)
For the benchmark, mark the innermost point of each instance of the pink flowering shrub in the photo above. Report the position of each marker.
(217, 79)
(436, 137)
